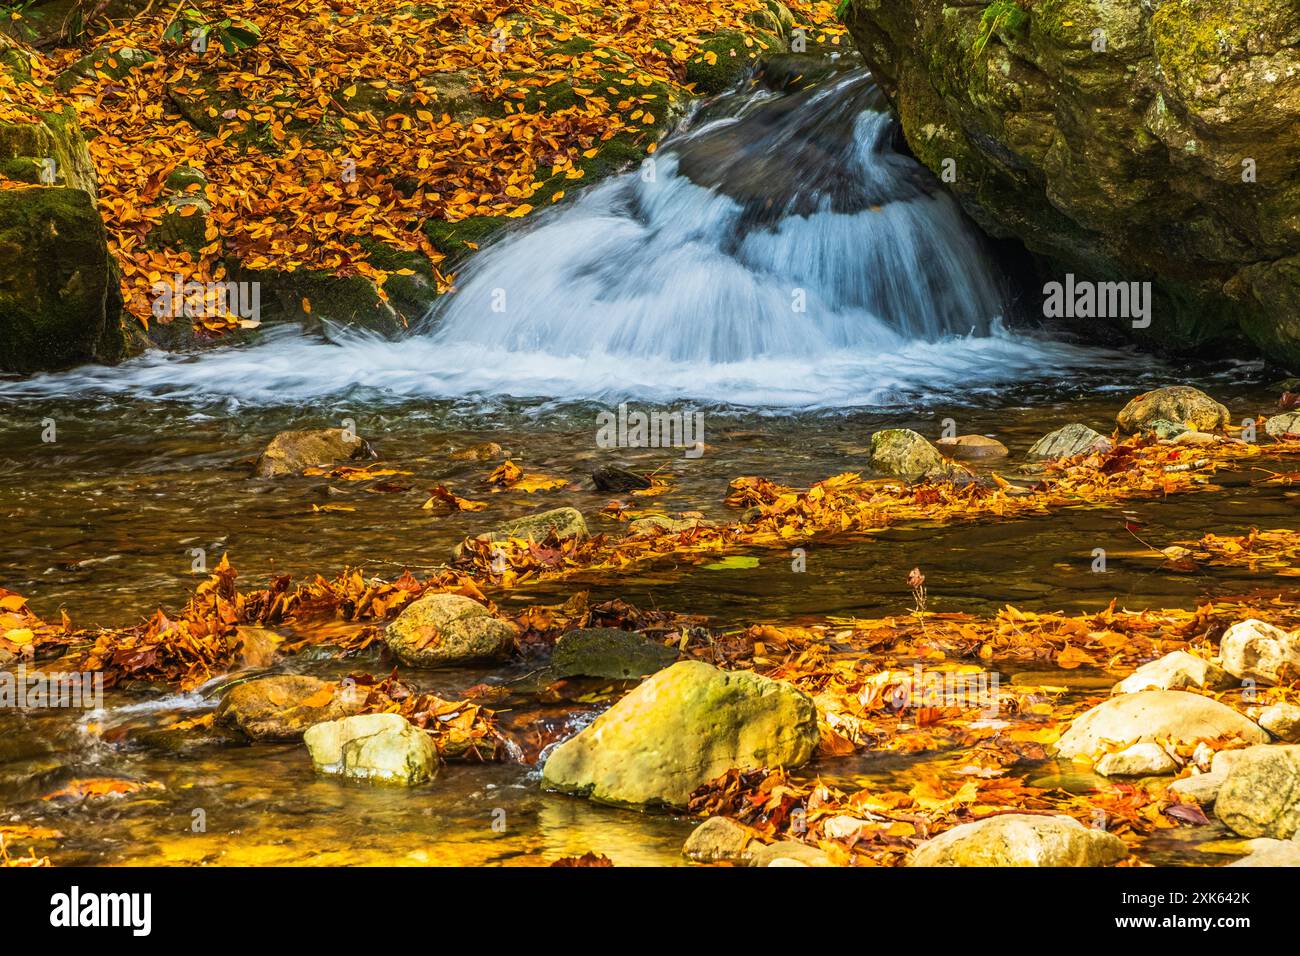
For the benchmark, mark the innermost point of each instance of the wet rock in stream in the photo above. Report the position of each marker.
(681, 728)
(377, 747)
(1148, 716)
(447, 629)
(282, 707)
(1021, 839)
(608, 652)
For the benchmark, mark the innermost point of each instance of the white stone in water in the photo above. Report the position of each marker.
(383, 747)
(1258, 651)
(1021, 839)
(1169, 716)
(1282, 721)
(1200, 788)
(1176, 671)
(1140, 760)
(1266, 852)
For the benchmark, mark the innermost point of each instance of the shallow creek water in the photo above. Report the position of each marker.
(101, 523)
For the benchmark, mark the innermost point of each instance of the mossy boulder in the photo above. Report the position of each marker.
(726, 56)
(1261, 795)
(903, 453)
(112, 64)
(182, 178)
(184, 223)
(608, 652)
(60, 302)
(1177, 404)
(48, 148)
(319, 300)
(680, 729)
(1118, 140)
(1066, 442)
(448, 629)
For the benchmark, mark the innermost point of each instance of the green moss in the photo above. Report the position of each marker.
(1002, 17)
(412, 294)
(574, 47)
(732, 59)
(116, 65)
(350, 301)
(54, 136)
(456, 240)
(182, 177)
(57, 304)
(181, 230)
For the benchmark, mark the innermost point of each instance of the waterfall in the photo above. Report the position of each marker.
(776, 251)
(784, 228)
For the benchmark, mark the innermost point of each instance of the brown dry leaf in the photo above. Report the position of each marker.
(442, 501)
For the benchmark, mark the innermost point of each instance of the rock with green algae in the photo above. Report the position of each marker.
(1179, 405)
(905, 454)
(608, 652)
(681, 728)
(726, 56)
(1118, 140)
(49, 148)
(113, 64)
(60, 303)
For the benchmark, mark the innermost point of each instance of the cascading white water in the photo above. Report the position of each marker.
(778, 252)
(654, 266)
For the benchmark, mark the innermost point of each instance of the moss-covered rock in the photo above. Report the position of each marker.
(1118, 140)
(313, 299)
(48, 148)
(184, 223)
(1261, 795)
(608, 652)
(448, 629)
(59, 298)
(113, 64)
(903, 453)
(1176, 404)
(681, 728)
(726, 56)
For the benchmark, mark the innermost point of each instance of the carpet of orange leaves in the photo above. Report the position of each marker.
(279, 199)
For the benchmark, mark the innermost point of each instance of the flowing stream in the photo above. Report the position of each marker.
(781, 266)
(777, 252)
